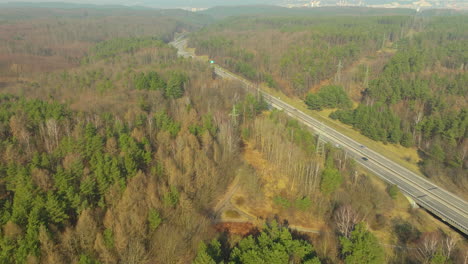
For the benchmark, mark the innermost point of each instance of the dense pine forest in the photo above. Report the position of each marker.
(419, 100)
(115, 150)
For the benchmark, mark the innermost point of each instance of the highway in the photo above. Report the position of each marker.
(447, 206)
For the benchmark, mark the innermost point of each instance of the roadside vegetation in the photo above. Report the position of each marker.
(419, 100)
(405, 75)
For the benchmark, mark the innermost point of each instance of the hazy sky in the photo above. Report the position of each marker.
(161, 3)
(206, 3)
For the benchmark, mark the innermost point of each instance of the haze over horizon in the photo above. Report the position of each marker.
(212, 3)
(154, 3)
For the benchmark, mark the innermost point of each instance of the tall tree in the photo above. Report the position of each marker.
(362, 247)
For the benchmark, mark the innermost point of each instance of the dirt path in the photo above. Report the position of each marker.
(226, 199)
(304, 229)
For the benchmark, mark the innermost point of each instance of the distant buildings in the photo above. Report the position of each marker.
(414, 4)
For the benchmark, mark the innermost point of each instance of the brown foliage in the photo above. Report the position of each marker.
(42, 179)
(48, 250)
(12, 230)
(86, 230)
(242, 229)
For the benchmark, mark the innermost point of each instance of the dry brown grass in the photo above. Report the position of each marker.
(231, 214)
(274, 184)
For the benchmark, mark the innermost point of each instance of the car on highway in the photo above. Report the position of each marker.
(362, 146)
(364, 158)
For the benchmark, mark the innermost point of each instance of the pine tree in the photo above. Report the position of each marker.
(55, 209)
(361, 247)
(175, 85)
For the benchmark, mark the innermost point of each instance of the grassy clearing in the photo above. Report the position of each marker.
(274, 184)
(231, 214)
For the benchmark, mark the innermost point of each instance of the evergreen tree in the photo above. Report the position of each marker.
(175, 85)
(314, 102)
(362, 247)
(202, 256)
(155, 81)
(331, 177)
(274, 245)
(154, 219)
(55, 209)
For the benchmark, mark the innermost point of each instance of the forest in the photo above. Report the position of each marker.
(295, 53)
(115, 150)
(419, 100)
(397, 79)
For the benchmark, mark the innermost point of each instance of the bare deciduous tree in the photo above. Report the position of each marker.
(428, 246)
(346, 218)
(42, 179)
(449, 244)
(86, 229)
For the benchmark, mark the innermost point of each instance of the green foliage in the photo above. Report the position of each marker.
(251, 106)
(331, 96)
(207, 126)
(437, 153)
(5, 211)
(202, 256)
(149, 81)
(281, 201)
(439, 258)
(108, 236)
(362, 247)
(314, 102)
(85, 259)
(196, 130)
(36, 112)
(307, 47)
(175, 85)
(112, 47)
(22, 202)
(7, 249)
(104, 86)
(244, 68)
(214, 43)
(171, 198)
(422, 83)
(296, 132)
(331, 179)
(209, 254)
(393, 191)
(407, 140)
(270, 81)
(154, 219)
(376, 121)
(303, 204)
(275, 244)
(405, 232)
(166, 123)
(55, 209)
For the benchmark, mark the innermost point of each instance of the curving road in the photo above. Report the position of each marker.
(447, 206)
